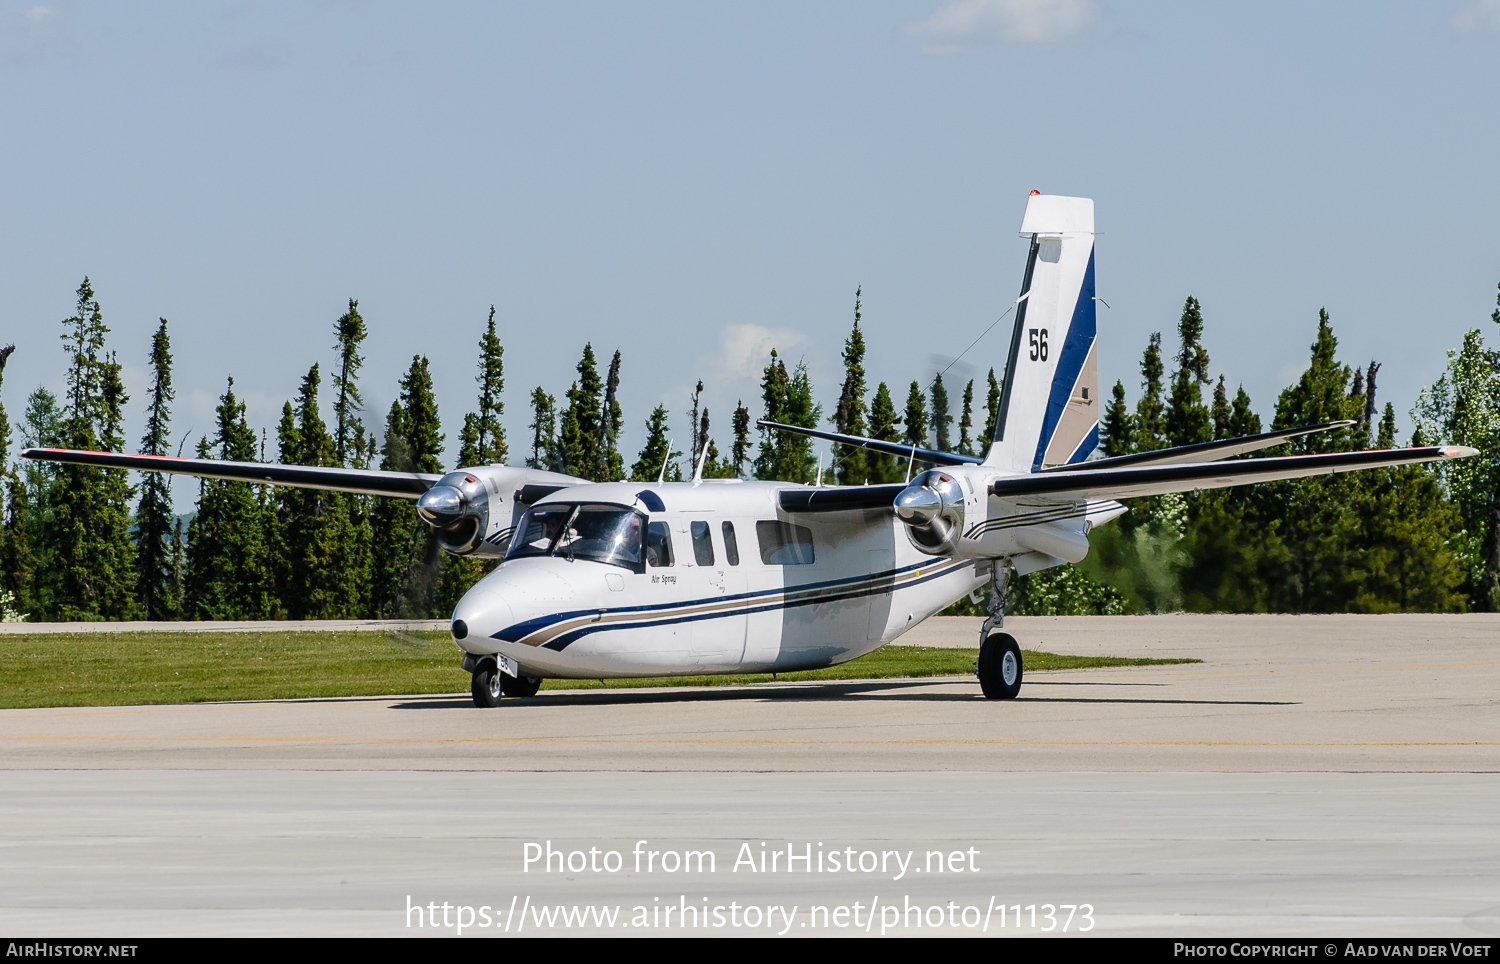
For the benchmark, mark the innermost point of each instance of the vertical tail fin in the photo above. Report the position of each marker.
(1049, 403)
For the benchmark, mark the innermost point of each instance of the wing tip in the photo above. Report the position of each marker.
(1457, 451)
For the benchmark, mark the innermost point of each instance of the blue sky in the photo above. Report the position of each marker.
(696, 183)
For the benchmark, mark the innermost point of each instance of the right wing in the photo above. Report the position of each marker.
(1134, 482)
(1203, 452)
(401, 485)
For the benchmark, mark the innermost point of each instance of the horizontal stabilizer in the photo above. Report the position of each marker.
(876, 445)
(1203, 452)
(1136, 481)
(402, 485)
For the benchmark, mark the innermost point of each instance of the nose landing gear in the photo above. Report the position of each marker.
(489, 685)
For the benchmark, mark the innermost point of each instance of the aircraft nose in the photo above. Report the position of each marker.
(479, 615)
(440, 505)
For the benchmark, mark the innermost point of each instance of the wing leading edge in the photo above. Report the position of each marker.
(401, 485)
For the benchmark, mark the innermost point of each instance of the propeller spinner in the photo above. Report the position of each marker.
(932, 508)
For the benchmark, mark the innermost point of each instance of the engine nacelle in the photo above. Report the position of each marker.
(472, 511)
(458, 509)
(932, 509)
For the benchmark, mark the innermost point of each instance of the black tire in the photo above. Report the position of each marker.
(1000, 667)
(487, 686)
(522, 686)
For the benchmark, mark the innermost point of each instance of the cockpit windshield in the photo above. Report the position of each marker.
(597, 532)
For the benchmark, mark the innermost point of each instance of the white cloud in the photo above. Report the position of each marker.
(1479, 15)
(732, 373)
(744, 350)
(37, 27)
(961, 24)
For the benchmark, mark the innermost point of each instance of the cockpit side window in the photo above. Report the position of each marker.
(703, 546)
(658, 545)
(596, 532)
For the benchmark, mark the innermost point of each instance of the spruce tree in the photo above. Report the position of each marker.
(775, 385)
(798, 461)
(916, 417)
(1403, 533)
(42, 427)
(1242, 419)
(395, 521)
(17, 562)
(740, 453)
(966, 423)
(850, 462)
(490, 434)
(226, 576)
(1463, 408)
(941, 417)
(581, 421)
(349, 431)
(1320, 395)
(319, 579)
(654, 454)
(1367, 423)
(543, 431)
(90, 569)
(407, 571)
(1150, 428)
(469, 452)
(698, 439)
(1220, 411)
(154, 517)
(992, 412)
(345, 588)
(885, 426)
(609, 466)
(1187, 418)
(1118, 425)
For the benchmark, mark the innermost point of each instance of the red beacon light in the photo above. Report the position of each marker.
(1034, 193)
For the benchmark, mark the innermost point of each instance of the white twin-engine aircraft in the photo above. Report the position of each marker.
(624, 579)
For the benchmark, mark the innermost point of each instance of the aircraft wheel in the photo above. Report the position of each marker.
(520, 686)
(1000, 667)
(486, 684)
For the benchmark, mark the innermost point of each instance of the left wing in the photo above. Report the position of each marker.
(402, 485)
(876, 445)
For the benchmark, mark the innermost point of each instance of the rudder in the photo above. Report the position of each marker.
(1049, 402)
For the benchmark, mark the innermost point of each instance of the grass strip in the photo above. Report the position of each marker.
(115, 669)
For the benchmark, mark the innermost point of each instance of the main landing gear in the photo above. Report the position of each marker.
(999, 665)
(489, 685)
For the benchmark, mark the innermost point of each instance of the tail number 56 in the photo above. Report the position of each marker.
(1038, 344)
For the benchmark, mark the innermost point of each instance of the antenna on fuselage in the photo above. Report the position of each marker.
(663, 476)
(702, 458)
(820, 470)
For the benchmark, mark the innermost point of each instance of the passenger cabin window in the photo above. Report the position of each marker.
(658, 545)
(703, 546)
(731, 545)
(784, 544)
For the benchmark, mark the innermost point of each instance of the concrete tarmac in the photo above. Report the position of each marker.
(1314, 775)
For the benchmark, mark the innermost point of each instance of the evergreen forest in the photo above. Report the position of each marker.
(86, 543)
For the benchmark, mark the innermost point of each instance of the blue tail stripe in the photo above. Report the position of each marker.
(1081, 332)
